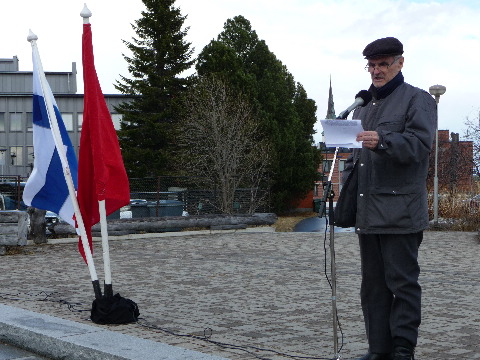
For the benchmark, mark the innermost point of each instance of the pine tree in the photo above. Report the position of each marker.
(286, 114)
(160, 54)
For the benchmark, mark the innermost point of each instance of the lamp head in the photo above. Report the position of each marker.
(437, 91)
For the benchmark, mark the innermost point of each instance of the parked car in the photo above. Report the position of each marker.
(10, 194)
(8, 202)
(51, 218)
(126, 211)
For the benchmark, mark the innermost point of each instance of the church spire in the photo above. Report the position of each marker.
(331, 106)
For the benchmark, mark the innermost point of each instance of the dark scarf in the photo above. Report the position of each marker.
(388, 88)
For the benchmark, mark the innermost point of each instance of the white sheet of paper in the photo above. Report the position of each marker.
(342, 133)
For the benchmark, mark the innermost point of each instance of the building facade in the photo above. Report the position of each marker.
(328, 166)
(455, 164)
(16, 136)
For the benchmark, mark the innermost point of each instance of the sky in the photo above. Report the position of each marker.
(317, 40)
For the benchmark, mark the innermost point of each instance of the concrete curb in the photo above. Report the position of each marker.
(57, 338)
(74, 240)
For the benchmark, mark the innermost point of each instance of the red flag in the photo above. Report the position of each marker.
(101, 173)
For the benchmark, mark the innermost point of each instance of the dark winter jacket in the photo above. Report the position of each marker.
(392, 195)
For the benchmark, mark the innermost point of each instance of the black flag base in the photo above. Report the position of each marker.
(114, 310)
(108, 290)
(96, 289)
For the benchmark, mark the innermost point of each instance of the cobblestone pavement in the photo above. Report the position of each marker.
(248, 295)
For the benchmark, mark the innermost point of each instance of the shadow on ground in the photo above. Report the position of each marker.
(317, 224)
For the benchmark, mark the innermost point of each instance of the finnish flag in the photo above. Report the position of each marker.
(46, 187)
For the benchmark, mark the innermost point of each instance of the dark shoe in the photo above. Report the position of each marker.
(402, 353)
(374, 356)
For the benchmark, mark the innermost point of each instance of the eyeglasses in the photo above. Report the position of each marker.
(383, 66)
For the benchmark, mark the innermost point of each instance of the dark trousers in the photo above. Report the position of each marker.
(390, 293)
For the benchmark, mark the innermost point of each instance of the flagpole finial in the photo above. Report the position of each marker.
(86, 13)
(31, 36)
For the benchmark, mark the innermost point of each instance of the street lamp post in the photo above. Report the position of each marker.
(437, 91)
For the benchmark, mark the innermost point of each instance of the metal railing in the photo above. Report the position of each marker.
(194, 195)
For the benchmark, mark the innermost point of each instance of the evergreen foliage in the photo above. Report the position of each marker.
(160, 54)
(286, 113)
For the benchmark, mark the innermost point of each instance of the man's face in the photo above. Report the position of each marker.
(384, 69)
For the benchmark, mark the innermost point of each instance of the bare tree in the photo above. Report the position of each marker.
(473, 133)
(455, 165)
(222, 143)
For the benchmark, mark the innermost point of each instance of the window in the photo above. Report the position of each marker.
(30, 155)
(117, 120)
(68, 121)
(16, 155)
(2, 158)
(29, 121)
(15, 122)
(327, 164)
(80, 121)
(2, 121)
(339, 165)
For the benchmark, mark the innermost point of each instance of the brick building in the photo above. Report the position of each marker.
(325, 168)
(455, 164)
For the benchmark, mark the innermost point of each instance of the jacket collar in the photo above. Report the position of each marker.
(388, 88)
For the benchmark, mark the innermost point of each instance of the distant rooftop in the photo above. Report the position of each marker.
(14, 82)
(9, 64)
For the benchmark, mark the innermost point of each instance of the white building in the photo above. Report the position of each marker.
(16, 140)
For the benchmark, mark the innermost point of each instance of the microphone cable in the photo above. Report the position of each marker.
(252, 350)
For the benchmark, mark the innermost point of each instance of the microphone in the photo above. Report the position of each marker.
(361, 99)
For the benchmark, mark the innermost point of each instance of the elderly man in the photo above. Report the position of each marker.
(391, 201)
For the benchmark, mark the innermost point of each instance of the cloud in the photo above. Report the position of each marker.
(314, 39)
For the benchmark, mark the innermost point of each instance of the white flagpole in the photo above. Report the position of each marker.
(32, 38)
(86, 14)
(106, 249)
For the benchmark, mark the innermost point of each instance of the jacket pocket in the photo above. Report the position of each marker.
(392, 210)
(395, 123)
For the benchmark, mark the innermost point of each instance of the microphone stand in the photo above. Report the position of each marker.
(361, 99)
(329, 194)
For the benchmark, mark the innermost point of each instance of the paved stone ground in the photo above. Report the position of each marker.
(250, 290)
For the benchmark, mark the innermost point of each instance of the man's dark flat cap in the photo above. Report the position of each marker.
(383, 47)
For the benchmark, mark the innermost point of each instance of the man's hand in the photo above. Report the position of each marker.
(369, 139)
